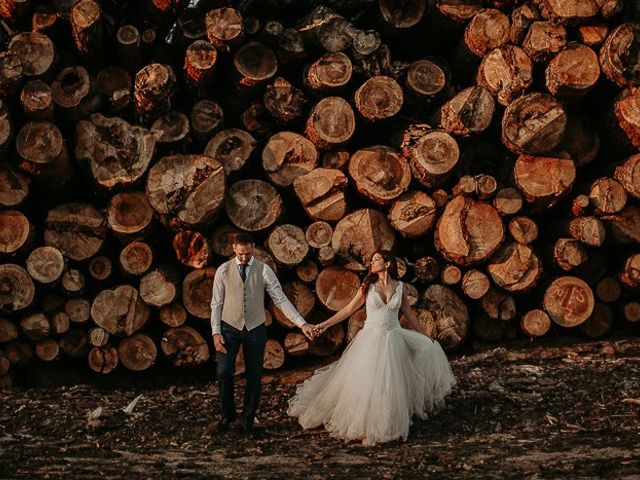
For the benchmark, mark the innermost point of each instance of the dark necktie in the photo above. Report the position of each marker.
(243, 271)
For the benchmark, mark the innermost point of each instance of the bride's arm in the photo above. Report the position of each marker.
(345, 312)
(410, 315)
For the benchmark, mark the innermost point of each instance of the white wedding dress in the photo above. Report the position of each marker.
(386, 375)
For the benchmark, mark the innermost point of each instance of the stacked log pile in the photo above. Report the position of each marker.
(493, 145)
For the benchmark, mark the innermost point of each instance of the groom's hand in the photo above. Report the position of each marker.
(218, 343)
(308, 331)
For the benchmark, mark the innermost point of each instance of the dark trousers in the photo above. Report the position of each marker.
(253, 343)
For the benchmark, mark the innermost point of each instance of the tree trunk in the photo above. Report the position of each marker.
(568, 301)
(200, 64)
(74, 93)
(86, 26)
(544, 180)
(136, 258)
(630, 276)
(296, 344)
(506, 72)
(137, 352)
(330, 72)
(379, 98)
(73, 281)
(607, 196)
(284, 101)
(515, 267)
(78, 310)
(359, 234)
(432, 154)
(128, 41)
(468, 231)
(114, 86)
(170, 128)
(288, 245)
(129, 215)
(192, 248)
(535, 323)
(159, 287)
(300, 296)
(617, 62)
(42, 152)
(184, 346)
(14, 186)
(153, 88)
(231, 147)
(451, 315)
(45, 265)
(255, 64)
(47, 349)
(35, 51)
(489, 29)
(116, 152)
(628, 174)
(287, 156)
(468, 113)
(16, 232)
(413, 214)
(197, 287)
(499, 305)
(16, 288)
(206, 118)
(37, 100)
(533, 124)
(173, 315)
(589, 230)
(336, 286)
(35, 327)
(253, 205)
(224, 28)
(599, 322)
(523, 230)
(380, 173)
(307, 271)
(568, 253)
(573, 72)
(319, 234)
(98, 337)
(273, 355)
(543, 40)
(321, 194)
(475, 284)
(331, 123)
(103, 359)
(120, 311)
(608, 290)
(186, 190)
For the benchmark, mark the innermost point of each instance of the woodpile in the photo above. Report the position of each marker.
(494, 146)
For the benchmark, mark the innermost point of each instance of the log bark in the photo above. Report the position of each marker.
(222, 240)
(192, 248)
(359, 234)
(120, 311)
(45, 265)
(569, 301)
(184, 346)
(186, 190)
(468, 231)
(137, 352)
(197, 287)
(426, 269)
(450, 275)
(331, 123)
(287, 156)
(322, 195)
(631, 311)
(117, 153)
(413, 214)
(76, 229)
(380, 173)
(232, 147)
(288, 245)
(16, 288)
(593, 34)
(506, 72)
(401, 14)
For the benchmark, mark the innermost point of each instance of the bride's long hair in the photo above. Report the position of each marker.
(387, 256)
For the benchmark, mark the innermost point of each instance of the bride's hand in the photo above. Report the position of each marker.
(320, 329)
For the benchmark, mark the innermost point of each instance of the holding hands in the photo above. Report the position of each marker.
(314, 331)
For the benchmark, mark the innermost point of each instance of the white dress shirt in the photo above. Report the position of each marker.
(272, 286)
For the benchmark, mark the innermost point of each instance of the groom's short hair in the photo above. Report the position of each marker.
(242, 239)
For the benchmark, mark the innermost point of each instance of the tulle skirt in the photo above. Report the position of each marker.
(381, 380)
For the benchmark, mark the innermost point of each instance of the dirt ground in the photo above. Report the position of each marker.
(540, 413)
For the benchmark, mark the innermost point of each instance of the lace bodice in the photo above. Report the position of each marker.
(380, 314)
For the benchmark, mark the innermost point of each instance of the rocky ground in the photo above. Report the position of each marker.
(561, 412)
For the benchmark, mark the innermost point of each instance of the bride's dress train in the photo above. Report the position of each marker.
(386, 375)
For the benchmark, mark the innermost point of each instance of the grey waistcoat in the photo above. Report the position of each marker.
(244, 302)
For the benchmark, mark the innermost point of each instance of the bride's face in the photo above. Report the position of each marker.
(378, 264)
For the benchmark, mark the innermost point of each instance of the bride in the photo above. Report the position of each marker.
(386, 374)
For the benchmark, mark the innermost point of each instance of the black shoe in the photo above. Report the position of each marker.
(246, 424)
(224, 424)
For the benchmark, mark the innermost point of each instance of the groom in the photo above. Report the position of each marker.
(237, 318)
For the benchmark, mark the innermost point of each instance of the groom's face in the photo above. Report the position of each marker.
(244, 251)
